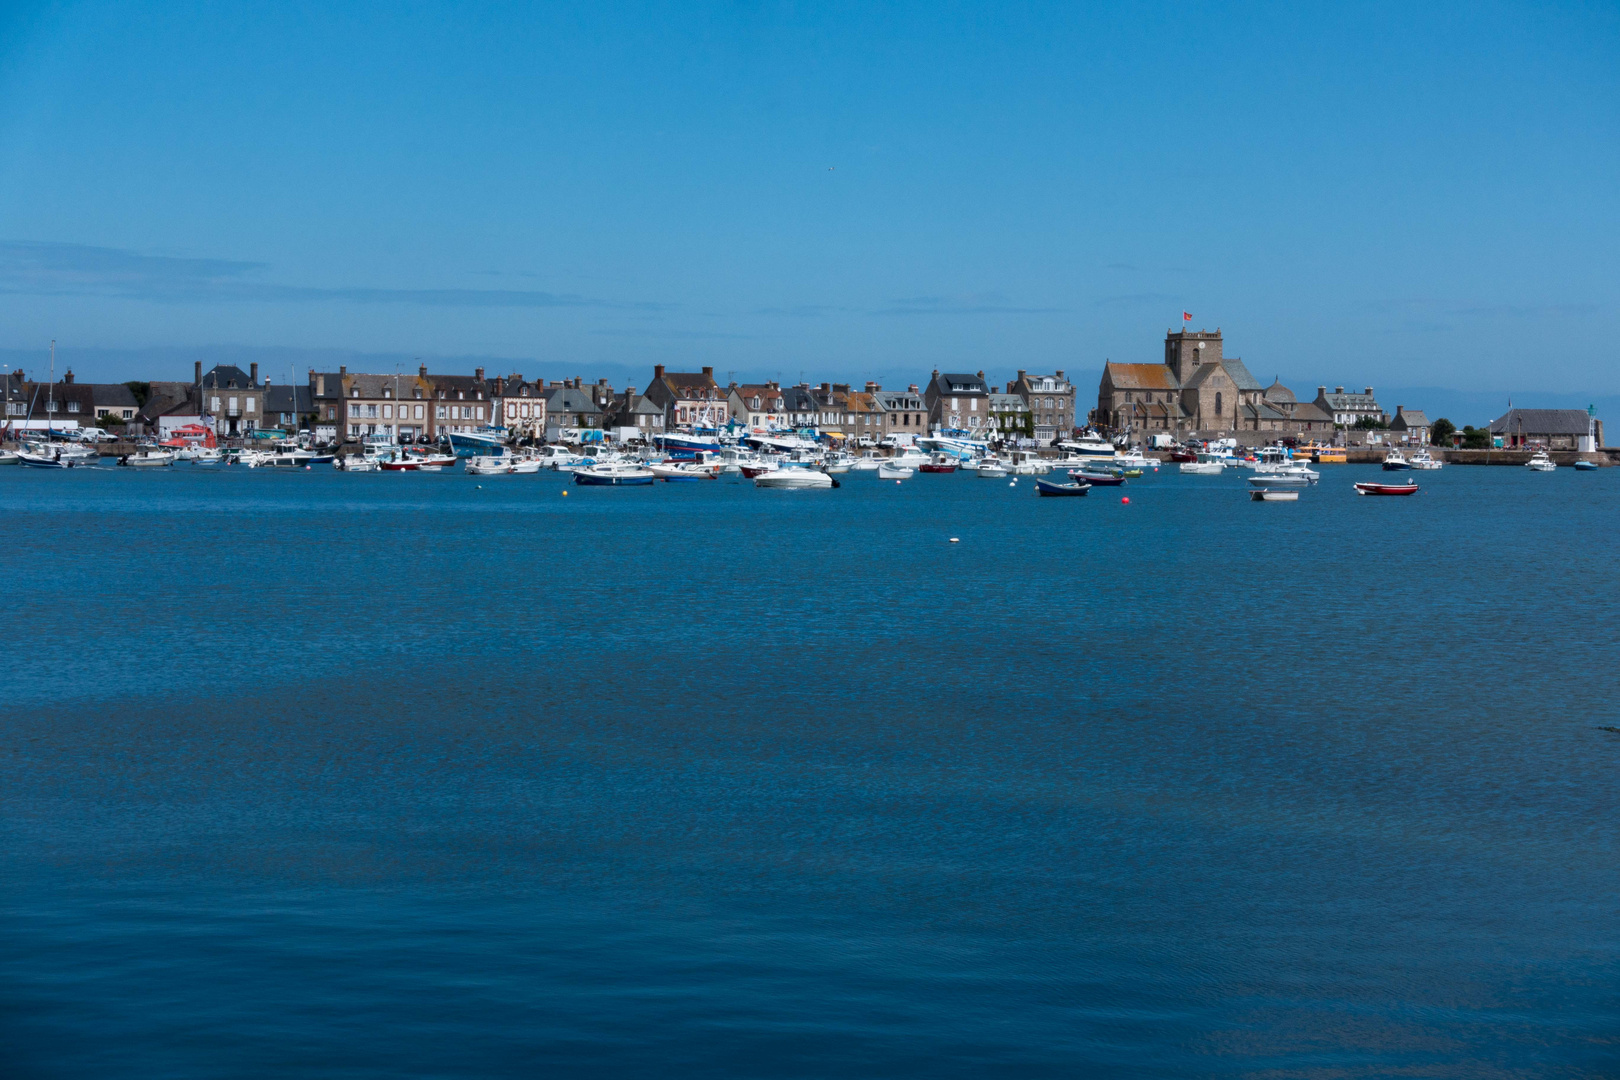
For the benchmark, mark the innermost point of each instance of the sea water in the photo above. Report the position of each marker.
(402, 775)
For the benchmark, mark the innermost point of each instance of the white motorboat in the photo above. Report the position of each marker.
(1206, 465)
(1134, 459)
(1395, 461)
(683, 470)
(838, 462)
(46, 461)
(909, 458)
(357, 463)
(871, 461)
(1280, 479)
(559, 457)
(1089, 444)
(1274, 494)
(147, 459)
(490, 465)
(8, 458)
(990, 469)
(1027, 463)
(891, 471)
(1540, 462)
(795, 479)
(1422, 460)
(614, 474)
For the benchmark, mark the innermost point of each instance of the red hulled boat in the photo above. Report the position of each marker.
(1386, 489)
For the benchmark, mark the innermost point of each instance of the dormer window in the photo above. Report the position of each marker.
(354, 393)
(461, 395)
(387, 393)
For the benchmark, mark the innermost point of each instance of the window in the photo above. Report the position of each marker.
(439, 412)
(73, 406)
(388, 410)
(1217, 403)
(354, 430)
(354, 393)
(480, 410)
(973, 406)
(371, 413)
(331, 412)
(250, 405)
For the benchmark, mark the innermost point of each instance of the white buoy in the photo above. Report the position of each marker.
(954, 540)
(480, 487)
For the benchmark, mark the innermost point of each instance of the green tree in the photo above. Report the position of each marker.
(1441, 431)
(1476, 438)
(1370, 423)
(141, 390)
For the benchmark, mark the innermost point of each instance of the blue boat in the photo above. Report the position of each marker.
(613, 474)
(1051, 487)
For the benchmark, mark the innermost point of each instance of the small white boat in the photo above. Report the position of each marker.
(1274, 495)
(870, 461)
(357, 463)
(147, 459)
(46, 461)
(1206, 465)
(990, 469)
(8, 458)
(1422, 460)
(1540, 462)
(683, 470)
(614, 474)
(1279, 480)
(795, 479)
(490, 465)
(1395, 461)
(890, 471)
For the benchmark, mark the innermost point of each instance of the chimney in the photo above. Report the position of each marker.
(1060, 373)
(343, 369)
(478, 373)
(1369, 391)
(913, 387)
(320, 385)
(826, 388)
(67, 377)
(253, 374)
(709, 371)
(421, 372)
(658, 371)
(872, 387)
(1021, 377)
(196, 373)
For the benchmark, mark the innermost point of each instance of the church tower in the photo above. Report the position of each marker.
(1185, 351)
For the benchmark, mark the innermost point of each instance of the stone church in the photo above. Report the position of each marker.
(1197, 389)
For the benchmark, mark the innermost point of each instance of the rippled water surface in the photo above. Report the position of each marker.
(401, 775)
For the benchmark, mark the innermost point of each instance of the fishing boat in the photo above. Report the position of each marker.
(614, 474)
(1394, 461)
(940, 462)
(1540, 462)
(685, 445)
(1408, 488)
(1274, 495)
(890, 471)
(1097, 477)
(1053, 487)
(1581, 465)
(483, 440)
(1182, 454)
(795, 479)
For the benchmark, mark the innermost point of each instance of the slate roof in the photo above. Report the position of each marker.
(692, 385)
(766, 393)
(1310, 411)
(1540, 422)
(1239, 374)
(1142, 376)
(958, 384)
(1410, 418)
(1007, 403)
(112, 395)
(798, 399)
(1262, 411)
(1351, 402)
(566, 399)
(898, 400)
(1278, 392)
(227, 377)
(280, 398)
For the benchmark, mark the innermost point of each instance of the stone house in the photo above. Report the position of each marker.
(1299, 417)
(232, 397)
(799, 406)
(689, 399)
(519, 406)
(864, 416)
(1349, 409)
(633, 416)
(457, 403)
(1411, 424)
(905, 413)
(398, 408)
(1010, 415)
(759, 406)
(569, 405)
(1049, 399)
(287, 406)
(957, 403)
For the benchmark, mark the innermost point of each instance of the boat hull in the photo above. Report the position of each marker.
(1386, 489)
(1052, 488)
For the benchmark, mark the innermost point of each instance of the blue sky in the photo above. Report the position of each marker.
(1402, 195)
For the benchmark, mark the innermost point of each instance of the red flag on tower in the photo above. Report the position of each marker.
(1186, 316)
